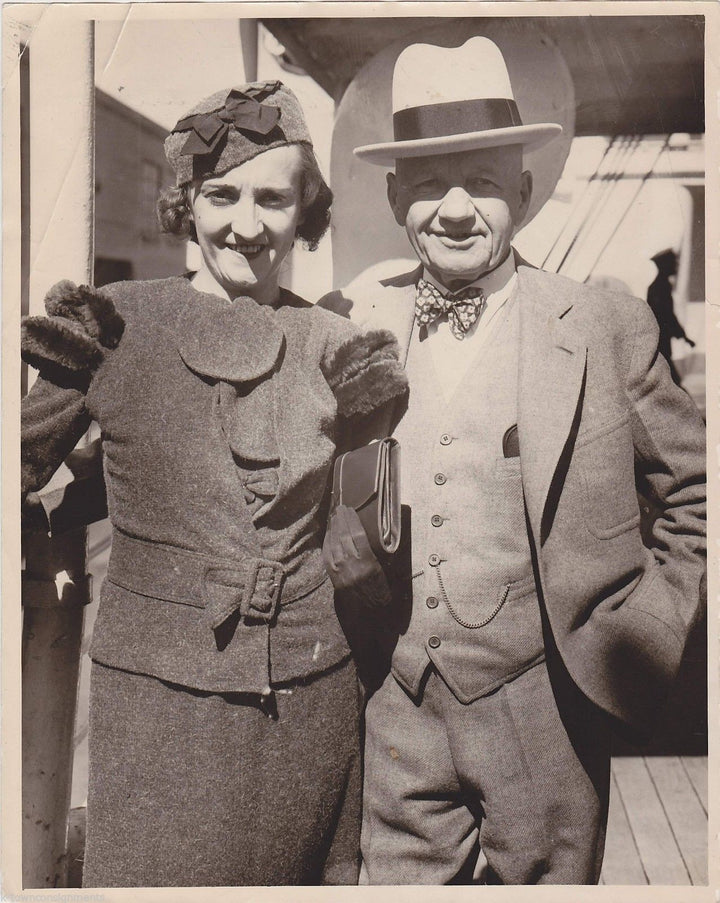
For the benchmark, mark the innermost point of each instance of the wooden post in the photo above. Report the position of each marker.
(55, 589)
(249, 44)
(55, 585)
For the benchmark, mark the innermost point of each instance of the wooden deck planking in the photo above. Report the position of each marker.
(621, 864)
(685, 814)
(696, 768)
(656, 844)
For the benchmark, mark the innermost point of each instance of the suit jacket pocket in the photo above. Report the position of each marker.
(607, 468)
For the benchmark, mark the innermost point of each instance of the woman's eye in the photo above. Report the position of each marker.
(273, 199)
(218, 198)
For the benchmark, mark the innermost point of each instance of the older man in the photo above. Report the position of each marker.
(532, 616)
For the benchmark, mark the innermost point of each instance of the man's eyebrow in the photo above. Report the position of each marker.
(418, 175)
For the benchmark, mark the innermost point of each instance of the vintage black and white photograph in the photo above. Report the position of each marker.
(356, 379)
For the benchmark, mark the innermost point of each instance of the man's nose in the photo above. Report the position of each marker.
(456, 205)
(245, 221)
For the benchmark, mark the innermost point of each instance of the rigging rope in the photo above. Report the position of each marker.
(611, 182)
(579, 201)
(632, 201)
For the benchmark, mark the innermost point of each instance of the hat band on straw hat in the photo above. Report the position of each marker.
(456, 118)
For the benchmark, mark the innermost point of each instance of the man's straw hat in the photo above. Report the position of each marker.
(449, 99)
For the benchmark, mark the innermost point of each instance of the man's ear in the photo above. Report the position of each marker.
(526, 186)
(392, 196)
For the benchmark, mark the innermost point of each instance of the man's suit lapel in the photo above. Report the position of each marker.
(553, 359)
(396, 309)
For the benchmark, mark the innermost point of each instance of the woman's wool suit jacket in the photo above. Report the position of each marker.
(219, 425)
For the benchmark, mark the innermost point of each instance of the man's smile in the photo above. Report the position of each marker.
(456, 241)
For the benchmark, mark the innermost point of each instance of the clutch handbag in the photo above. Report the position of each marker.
(368, 480)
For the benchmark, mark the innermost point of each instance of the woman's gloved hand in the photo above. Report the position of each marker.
(351, 562)
(81, 323)
(33, 515)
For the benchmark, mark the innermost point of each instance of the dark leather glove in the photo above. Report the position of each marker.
(351, 562)
(33, 515)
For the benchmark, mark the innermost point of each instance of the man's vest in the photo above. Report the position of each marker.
(475, 611)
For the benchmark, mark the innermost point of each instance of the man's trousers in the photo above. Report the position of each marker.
(501, 791)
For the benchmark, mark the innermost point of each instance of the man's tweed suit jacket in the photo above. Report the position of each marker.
(598, 418)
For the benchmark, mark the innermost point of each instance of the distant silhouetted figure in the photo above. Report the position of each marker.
(660, 299)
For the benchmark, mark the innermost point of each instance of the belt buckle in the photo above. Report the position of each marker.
(263, 586)
(223, 592)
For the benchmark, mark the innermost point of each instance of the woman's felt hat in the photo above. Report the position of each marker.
(449, 99)
(233, 126)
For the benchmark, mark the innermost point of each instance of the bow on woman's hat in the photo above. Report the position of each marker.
(230, 127)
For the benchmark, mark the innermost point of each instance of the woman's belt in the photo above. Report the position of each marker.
(255, 587)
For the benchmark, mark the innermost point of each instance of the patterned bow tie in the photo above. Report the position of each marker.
(462, 308)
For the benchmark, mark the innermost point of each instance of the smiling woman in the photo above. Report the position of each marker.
(246, 221)
(224, 737)
(175, 217)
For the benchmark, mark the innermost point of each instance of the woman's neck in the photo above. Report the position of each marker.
(204, 281)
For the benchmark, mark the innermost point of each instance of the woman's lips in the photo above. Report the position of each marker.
(246, 250)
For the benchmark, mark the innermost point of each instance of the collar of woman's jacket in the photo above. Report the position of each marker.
(236, 341)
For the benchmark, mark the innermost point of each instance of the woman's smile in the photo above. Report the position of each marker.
(246, 250)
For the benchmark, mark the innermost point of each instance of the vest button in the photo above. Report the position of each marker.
(431, 602)
(436, 520)
(445, 439)
(440, 479)
(434, 561)
(434, 642)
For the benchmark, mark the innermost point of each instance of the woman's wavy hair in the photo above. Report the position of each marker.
(175, 217)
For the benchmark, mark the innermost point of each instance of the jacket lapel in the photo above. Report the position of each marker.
(552, 365)
(395, 309)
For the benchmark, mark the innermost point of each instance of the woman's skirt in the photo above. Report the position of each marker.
(189, 788)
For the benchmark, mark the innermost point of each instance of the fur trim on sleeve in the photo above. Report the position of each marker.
(90, 307)
(58, 341)
(82, 322)
(364, 373)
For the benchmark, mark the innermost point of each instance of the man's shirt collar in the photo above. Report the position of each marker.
(496, 285)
